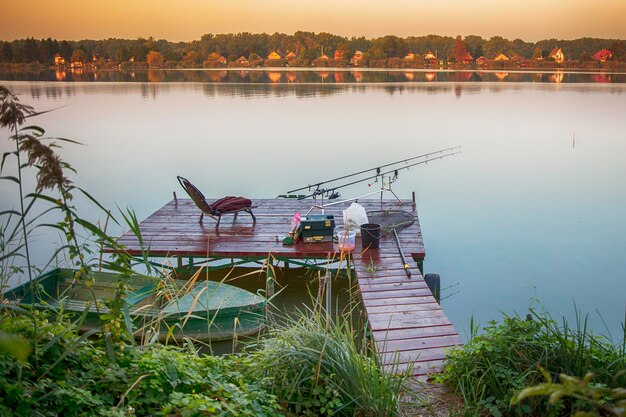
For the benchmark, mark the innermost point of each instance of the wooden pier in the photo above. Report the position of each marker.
(407, 324)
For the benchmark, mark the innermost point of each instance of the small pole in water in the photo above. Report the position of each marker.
(175, 199)
(413, 198)
(574, 141)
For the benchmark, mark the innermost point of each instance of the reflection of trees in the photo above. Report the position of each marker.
(155, 76)
(302, 84)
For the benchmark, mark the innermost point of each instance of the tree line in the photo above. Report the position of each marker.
(307, 46)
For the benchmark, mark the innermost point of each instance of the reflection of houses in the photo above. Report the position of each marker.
(59, 60)
(358, 76)
(430, 76)
(242, 61)
(273, 55)
(602, 55)
(274, 76)
(430, 59)
(602, 78)
(291, 77)
(501, 75)
(557, 55)
(557, 77)
(357, 59)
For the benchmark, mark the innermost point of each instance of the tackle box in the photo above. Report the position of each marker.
(317, 228)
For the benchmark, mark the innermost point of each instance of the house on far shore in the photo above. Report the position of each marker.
(501, 57)
(410, 57)
(338, 55)
(557, 55)
(274, 55)
(221, 60)
(481, 61)
(466, 59)
(430, 58)
(357, 59)
(242, 61)
(290, 55)
(59, 60)
(602, 55)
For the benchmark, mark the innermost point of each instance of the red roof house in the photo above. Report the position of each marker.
(602, 55)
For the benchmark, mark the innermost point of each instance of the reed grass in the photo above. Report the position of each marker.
(317, 367)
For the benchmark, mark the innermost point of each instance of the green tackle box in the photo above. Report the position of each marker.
(317, 228)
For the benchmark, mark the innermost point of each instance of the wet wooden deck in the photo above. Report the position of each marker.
(407, 324)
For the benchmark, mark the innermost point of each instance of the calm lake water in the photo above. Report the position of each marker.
(533, 209)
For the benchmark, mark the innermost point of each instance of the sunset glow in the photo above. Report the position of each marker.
(187, 20)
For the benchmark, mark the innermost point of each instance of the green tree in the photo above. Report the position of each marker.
(6, 52)
(79, 55)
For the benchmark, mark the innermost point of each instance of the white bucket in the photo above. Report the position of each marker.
(347, 240)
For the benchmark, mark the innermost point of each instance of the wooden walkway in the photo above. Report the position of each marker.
(407, 324)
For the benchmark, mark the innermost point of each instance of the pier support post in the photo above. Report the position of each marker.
(329, 294)
(269, 280)
(420, 265)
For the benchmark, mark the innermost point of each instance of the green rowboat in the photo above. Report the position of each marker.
(166, 309)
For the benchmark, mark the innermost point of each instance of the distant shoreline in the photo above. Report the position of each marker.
(563, 70)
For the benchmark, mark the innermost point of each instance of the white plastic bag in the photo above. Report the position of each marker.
(353, 217)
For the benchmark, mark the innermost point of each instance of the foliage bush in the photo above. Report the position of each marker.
(493, 367)
(72, 375)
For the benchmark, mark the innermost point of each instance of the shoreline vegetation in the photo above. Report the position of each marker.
(319, 50)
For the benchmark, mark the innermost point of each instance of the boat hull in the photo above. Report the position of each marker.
(165, 310)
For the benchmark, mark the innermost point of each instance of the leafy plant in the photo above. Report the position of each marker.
(496, 365)
(602, 398)
(76, 376)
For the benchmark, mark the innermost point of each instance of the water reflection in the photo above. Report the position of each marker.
(306, 76)
(469, 83)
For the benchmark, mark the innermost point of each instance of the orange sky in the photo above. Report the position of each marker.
(187, 20)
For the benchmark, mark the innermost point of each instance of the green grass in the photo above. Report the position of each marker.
(506, 357)
(322, 366)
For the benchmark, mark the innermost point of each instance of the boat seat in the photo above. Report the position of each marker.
(141, 294)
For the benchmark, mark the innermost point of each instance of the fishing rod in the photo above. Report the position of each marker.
(377, 169)
(332, 191)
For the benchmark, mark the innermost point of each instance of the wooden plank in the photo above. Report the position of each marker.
(400, 308)
(413, 333)
(437, 341)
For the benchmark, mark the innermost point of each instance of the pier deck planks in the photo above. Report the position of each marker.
(406, 322)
